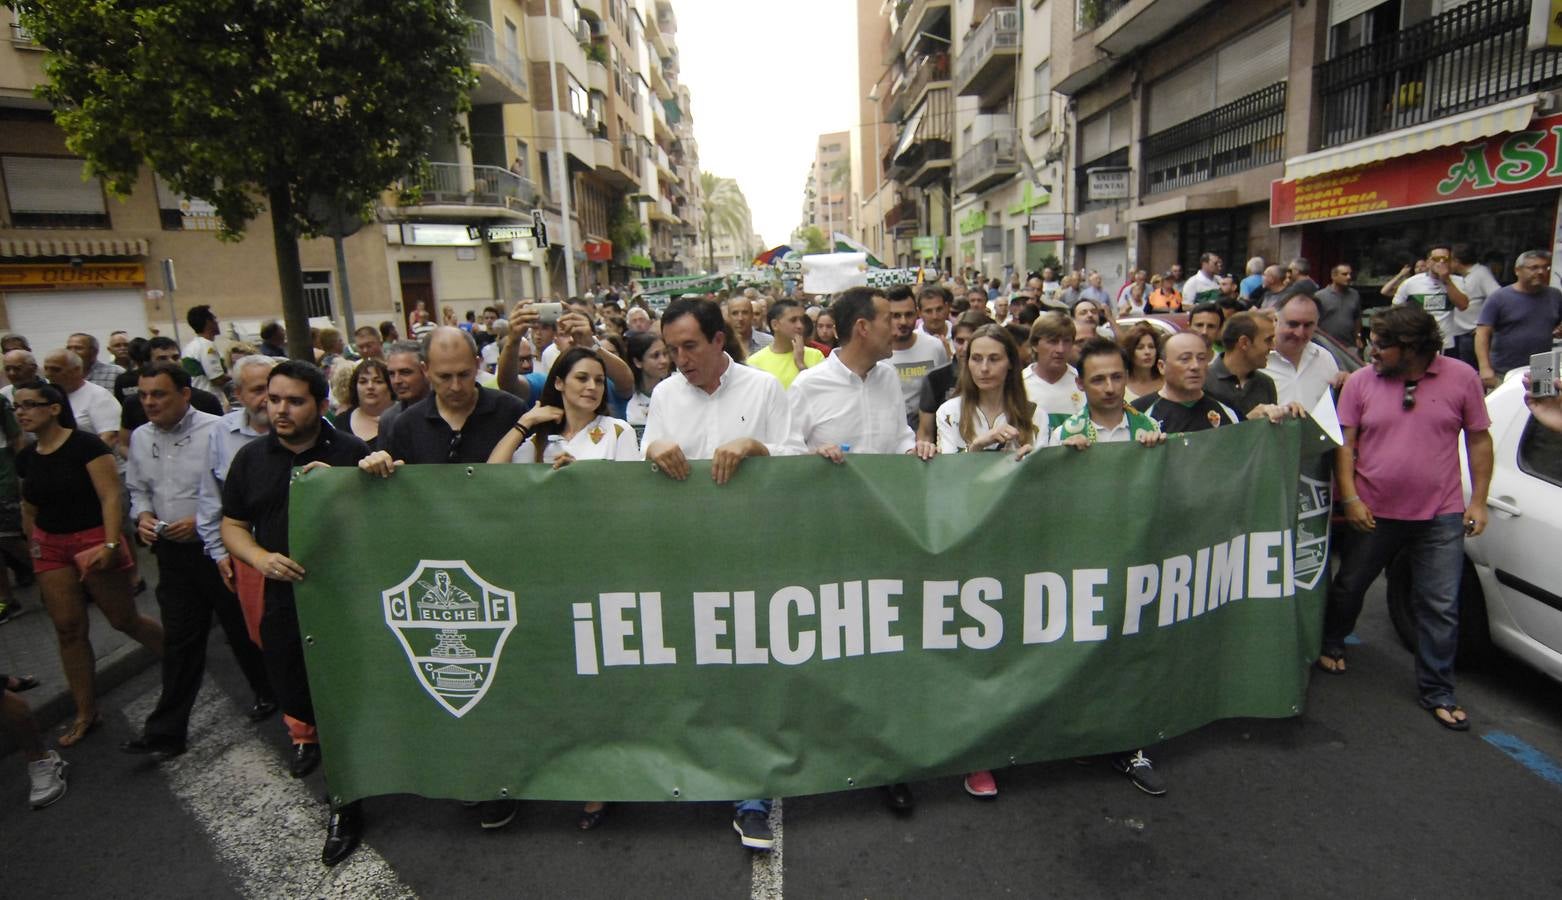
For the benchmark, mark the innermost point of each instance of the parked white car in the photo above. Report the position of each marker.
(1509, 596)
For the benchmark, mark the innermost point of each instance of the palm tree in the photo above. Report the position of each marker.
(725, 211)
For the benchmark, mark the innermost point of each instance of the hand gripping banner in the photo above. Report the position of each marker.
(602, 632)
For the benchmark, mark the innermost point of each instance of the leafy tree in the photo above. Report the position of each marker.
(305, 107)
(725, 211)
(811, 239)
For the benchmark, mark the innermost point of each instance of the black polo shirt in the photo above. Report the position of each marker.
(938, 387)
(1222, 385)
(421, 435)
(1175, 418)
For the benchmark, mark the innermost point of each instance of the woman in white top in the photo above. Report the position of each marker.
(649, 360)
(570, 421)
(989, 410)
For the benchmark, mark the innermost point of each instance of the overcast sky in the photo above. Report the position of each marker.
(765, 80)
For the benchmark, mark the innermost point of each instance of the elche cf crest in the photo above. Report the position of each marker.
(453, 625)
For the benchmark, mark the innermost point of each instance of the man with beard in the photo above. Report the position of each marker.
(914, 354)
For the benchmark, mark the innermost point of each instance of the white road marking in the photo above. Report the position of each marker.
(767, 866)
(266, 826)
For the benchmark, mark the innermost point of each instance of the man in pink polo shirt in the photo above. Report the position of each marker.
(1398, 477)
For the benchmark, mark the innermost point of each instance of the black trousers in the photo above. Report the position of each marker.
(189, 592)
(284, 654)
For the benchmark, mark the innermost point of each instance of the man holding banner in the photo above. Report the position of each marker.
(715, 409)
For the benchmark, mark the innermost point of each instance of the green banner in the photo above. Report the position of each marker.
(603, 632)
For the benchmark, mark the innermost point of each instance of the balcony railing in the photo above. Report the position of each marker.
(1466, 58)
(990, 161)
(917, 162)
(903, 216)
(1244, 134)
(928, 69)
(1090, 13)
(449, 184)
(989, 48)
(20, 34)
(1041, 124)
(484, 49)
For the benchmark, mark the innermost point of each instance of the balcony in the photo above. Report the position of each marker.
(662, 211)
(922, 154)
(1244, 134)
(1469, 57)
(987, 61)
(452, 190)
(920, 16)
(904, 217)
(1123, 26)
(1041, 124)
(928, 70)
(992, 161)
(664, 166)
(501, 75)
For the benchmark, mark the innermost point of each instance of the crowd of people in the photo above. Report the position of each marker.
(189, 450)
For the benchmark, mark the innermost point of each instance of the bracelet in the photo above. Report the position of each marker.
(1349, 500)
(521, 428)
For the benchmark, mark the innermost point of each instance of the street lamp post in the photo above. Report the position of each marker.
(878, 172)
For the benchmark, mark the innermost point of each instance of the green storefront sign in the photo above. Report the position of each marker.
(973, 222)
(941, 617)
(927, 247)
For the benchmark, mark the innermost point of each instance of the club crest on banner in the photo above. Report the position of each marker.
(452, 624)
(1312, 532)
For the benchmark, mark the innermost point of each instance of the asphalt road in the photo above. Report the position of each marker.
(1362, 796)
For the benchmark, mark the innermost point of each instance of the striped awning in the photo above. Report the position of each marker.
(88, 247)
(1510, 115)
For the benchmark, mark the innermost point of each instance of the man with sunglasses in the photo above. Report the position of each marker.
(1437, 290)
(1398, 480)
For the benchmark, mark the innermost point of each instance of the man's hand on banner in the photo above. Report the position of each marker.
(379, 464)
(1152, 438)
(667, 457)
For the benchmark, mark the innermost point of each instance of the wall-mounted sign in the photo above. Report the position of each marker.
(1045, 227)
(927, 247)
(48, 276)
(421, 234)
(498, 234)
(599, 251)
(974, 221)
(1107, 184)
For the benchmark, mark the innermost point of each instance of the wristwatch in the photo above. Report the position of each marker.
(112, 545)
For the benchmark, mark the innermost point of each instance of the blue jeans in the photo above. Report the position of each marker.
(1436, 551)
(759, 806)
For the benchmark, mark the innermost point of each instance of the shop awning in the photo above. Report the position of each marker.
(1510, 115)
(86, 247)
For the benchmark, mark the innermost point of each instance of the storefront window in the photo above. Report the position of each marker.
(1222, 231)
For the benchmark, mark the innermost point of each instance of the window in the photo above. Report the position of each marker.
(522, 165)
(1041, 84)
(52, 192)
(545, 169)
(577, 98)
(1251, 62)
(1540, 452)
(317, 294)
(177, 212)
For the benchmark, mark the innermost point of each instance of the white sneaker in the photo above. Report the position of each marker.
(48, 777)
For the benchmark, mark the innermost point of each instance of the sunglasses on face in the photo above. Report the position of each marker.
(1409, 400)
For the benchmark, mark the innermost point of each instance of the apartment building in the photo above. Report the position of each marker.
(827, 193)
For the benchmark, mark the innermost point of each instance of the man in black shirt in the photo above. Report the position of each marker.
(460, 422)
(941, 382)
(1234, 376)
(254, 529)
(1181, 404)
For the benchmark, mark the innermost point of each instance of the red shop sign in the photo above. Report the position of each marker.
(1510, 163)
(599, 251)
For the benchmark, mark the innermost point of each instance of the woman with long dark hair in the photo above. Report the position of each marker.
(570, 421)
(989, 410)
(72, 508)
(649, 360)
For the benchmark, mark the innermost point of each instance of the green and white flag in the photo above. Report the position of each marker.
(844, 244)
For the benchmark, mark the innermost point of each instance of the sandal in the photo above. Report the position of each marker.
(1453, 722)
(77, 731)
(17, 684)
(1335, 664)
(590, 819)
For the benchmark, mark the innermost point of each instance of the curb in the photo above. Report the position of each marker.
(117, 667)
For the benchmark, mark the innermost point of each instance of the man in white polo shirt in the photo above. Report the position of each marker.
(716, 409)
(1302, 370)
(1437, 291)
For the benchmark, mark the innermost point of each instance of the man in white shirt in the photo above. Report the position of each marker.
(1050, 382)
(1302, 370)
(201, 358)
(96, 409)
(1202, 287)
(713, 408)
(913, 354)
(1478, 283)
(851, 402)
(1437, 291)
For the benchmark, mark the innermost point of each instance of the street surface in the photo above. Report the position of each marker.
(1363, 796)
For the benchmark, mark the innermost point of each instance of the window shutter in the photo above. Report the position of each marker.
(1345, 10)
(1188, 93)
(1095, 140)
(1254, 61)
(51, 185)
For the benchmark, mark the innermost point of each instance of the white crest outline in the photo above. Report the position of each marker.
(454, 665)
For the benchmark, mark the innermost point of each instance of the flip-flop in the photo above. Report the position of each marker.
(1336, 656)
(590, 819)
(22, 683)
(77, 732)
(1450, 723)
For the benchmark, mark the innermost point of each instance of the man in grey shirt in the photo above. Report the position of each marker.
(1341, 306)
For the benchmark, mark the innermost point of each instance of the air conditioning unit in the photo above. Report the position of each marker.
(583, 32)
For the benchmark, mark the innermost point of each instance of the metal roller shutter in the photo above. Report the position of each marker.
(38, 184)
(47, 318)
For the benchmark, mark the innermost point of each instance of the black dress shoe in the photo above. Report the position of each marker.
(153, 745)
(306, 757)
(342, 833)
(899, 797)
(262, 710)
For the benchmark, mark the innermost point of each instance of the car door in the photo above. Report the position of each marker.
(1523, 534)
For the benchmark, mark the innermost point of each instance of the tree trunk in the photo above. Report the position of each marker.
(290, 273)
